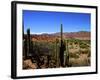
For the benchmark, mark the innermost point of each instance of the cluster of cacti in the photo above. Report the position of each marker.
(33, 50)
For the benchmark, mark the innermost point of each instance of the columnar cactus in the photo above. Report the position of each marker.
(67, 54)
(28, 41)
(57, 53)
(62, 48)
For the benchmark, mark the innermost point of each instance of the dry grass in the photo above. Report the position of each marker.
(79, 56)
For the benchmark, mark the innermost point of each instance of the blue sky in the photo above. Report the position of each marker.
(49, 22)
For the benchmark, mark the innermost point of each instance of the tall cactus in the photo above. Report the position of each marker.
(67, 59)
(62, 48)
(61, 33)
(57, 53)
(28, 41)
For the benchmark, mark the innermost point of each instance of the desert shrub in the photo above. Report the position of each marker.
(43, 48)
(87, 41)
(79, 62)
(89, 53)
(70, 43)
(73, 55)
(82, 45)
(70, 47)
(86, 51)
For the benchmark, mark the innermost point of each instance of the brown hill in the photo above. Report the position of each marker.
(83, 35)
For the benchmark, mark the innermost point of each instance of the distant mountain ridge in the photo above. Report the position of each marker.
(78, 35)
(82, 35)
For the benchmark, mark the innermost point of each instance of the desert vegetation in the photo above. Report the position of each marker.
(54, 51)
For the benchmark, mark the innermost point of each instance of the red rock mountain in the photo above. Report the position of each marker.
(83, 35)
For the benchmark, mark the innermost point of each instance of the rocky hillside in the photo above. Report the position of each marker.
(83, 35)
